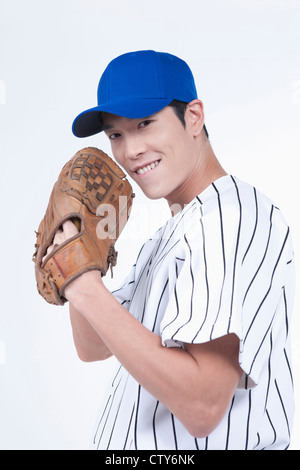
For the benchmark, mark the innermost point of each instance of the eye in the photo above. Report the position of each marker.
(145, 123)
(114, 136)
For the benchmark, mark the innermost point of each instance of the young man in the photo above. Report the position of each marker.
(201, 325)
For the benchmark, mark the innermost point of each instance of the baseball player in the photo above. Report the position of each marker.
(201, 325)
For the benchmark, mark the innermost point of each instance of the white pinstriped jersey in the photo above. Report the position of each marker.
(224, 264)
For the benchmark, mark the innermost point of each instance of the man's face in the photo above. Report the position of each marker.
(156, 152)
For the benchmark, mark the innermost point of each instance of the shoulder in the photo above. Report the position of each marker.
(234, 199)
(232, 212)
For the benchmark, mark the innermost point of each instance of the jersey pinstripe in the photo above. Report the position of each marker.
(224, 264)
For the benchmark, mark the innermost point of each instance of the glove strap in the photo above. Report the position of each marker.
(70, 261)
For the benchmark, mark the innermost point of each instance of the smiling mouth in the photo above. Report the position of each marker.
(147, 168)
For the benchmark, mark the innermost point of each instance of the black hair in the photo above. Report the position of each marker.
(180, 109)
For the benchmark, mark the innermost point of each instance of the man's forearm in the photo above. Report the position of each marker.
(196, 383)
(169, 374)
(88, 343)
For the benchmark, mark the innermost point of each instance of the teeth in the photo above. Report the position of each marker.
(147, 168)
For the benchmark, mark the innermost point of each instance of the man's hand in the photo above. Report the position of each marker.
(67, 230)
(83, 283)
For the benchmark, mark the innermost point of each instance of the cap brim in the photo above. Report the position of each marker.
(89, 122)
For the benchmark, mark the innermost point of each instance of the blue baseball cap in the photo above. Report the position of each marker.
(136, 85)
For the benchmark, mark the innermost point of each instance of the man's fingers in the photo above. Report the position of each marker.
(67, 231)
(49, 249)
(59, 237)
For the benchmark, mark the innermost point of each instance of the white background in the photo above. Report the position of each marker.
(246, 61)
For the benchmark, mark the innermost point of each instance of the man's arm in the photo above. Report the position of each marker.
(89, 345)
(196, 383)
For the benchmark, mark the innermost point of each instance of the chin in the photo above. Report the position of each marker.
(153, 193)
(153, 197)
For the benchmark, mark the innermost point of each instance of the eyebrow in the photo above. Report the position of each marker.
(107, 127)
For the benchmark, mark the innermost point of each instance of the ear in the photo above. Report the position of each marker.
(194, 116)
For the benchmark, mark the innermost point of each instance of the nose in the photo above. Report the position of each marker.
(134, 147)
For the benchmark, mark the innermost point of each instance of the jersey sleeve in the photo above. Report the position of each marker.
(227, 277)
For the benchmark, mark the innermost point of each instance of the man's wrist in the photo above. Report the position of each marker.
(84, 289)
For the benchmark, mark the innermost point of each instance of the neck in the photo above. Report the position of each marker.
(206, 171)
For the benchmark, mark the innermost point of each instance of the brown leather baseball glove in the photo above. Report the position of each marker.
(93, 192)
